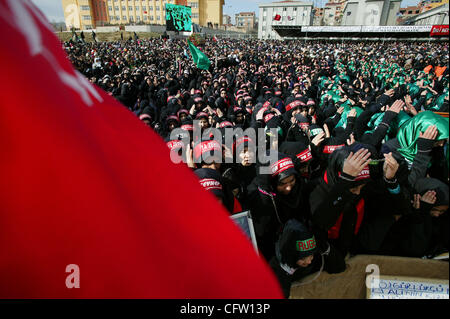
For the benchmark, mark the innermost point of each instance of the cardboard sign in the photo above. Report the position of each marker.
(397, 287)
(245, 222)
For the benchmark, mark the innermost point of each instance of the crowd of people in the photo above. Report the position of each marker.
(362, 143)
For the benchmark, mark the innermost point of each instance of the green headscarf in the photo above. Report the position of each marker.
(347, 108)
(409, 132)
(439, 101)
(401, 118)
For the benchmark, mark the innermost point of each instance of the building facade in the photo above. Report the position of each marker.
(435, 16)
(226, 19)
(333, 11)
(293, 13)
(89, 14)
(245, 20)
(426, 5)
(318, 16)
(371, 12)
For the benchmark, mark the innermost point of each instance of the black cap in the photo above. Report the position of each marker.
(296, 242)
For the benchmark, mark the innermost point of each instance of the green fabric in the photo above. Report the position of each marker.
(200, 59)
(374, 121)
(347, 108)
(409, 132)
(438, 102)
(413, 89)
(401, 118)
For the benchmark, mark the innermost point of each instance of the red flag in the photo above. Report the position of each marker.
(277, 17)
(88, 192)
(145, 12)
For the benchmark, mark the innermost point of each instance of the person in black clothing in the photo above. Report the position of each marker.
(273, 200)
(338, 202)
(423, 231)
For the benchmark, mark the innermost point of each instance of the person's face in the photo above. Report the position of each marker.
(183, 116)
(286, 185)
(305, 262)
(223, 94)
(246, 157)
(239, 118)
(438, 210)
(147, 122)
(203, 123)
(357, 190)
(171, 126)
(304, 169)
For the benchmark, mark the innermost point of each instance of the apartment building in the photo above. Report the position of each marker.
(88, 14)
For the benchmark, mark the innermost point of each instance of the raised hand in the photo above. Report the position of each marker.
(416, 201)
(390, 92)
(352, 113)
(390, 166)
(351, 139)
(319, 138)
(430, 133)
(397, 106)
(355, 163)
(327, 131)
(429, 197)
(259, 115)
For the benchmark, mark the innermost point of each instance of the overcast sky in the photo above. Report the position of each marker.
(54, 11)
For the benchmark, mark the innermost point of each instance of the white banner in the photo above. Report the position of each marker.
(397, 28)
(357, 29)
(331, 28)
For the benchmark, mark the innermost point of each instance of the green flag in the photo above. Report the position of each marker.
(200, 59)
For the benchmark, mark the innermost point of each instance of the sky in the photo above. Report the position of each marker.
(54, 11)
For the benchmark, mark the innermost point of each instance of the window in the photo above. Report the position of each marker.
(144, 8)
(85, 8)
(417, 11)
(116, 8)
(264, 28)
(117, 18)
(409, 12)
(151, 8)
(158, 18)
(137, 8)
(131, 18)
(123, 8)
(130, 8)
(151, 18)
(194, 15)
(124, 18)
(145, 18)
(157, 8)
(284, 9)
(86, 17)
(110, 8)
(295, 9)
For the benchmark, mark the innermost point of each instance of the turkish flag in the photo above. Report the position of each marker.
(145, 12)
(91, 205)
(277, 17)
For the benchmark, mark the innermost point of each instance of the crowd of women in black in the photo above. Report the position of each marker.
(362, 141)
